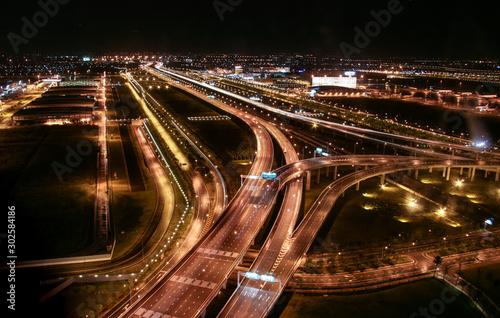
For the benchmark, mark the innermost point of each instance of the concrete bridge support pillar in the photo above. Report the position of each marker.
(444, 172)
(497, 175)
(486, 174)
(452, 152)
(469, 173)
(382, 179)
(308, 180)
(318, 176)
(430, 170)
(357, 186)
(224, 285)
(473, 174)
(335, 173)
(461, 170)
(327, 171)
(448, 173)
(416, 173)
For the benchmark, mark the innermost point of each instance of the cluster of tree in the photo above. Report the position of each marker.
(479, 243)
(351, 264)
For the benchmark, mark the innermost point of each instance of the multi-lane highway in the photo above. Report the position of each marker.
(354, 131)
(234, 231)
(291, 203)
(197, 278)
(255, 297)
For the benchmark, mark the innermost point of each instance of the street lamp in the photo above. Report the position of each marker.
(488, 222)
(383, 250)
(409, 245)
(412, 203)
(130, 291)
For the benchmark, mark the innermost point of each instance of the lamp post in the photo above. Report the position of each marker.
(383, 251)
(409, 245)
(487, 222)
(130, 291)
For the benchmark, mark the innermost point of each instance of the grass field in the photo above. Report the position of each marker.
(184, 105)
(226, 141)
(131, 157)
(132, 211)
(17, 146)
(84, 300)
(127, 107)
(57, 215)
(401, 301)
(384, 216)
(224, 137)
(482, 191)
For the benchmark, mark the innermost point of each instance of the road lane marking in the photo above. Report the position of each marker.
(148, 314)
(140, 311)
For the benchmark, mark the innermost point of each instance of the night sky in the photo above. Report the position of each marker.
(441, 29)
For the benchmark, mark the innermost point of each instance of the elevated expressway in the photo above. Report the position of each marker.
(221, 191)
(205, 271)
(284, 262)
(288, 213)
(255, 298)
(354, 131)
(195, 281)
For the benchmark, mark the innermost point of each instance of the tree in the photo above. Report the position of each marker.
(437, 260)
(310, 266)
(332, 268)
(320, 263)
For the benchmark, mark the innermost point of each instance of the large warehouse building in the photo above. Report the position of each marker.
(60, 105)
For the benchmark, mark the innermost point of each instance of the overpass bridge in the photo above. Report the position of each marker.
(190, 287)
(371, 135)
(458, 97)
(255, 298)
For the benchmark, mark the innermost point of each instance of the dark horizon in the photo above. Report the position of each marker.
(413, 29)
